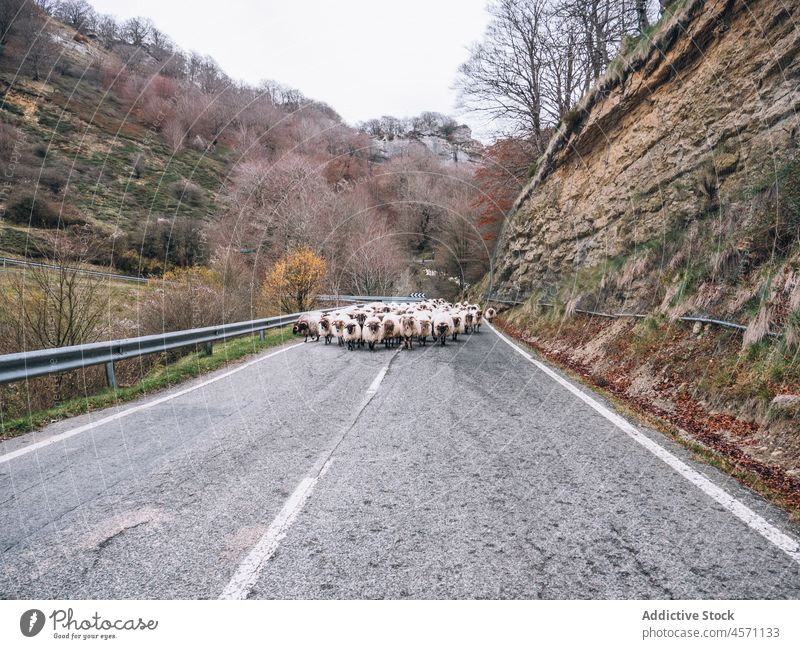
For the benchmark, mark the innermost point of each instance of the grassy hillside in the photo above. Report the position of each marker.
(74, 146)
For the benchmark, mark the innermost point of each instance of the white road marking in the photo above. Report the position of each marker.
(376, 383)
(782, 541)
(129, 411)
(250, 568)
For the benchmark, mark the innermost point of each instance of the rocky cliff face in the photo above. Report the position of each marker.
(452, 148)
(673, 145)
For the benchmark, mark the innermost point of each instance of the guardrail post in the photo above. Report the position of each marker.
(111, 377)
(261, 334)
(209, 348)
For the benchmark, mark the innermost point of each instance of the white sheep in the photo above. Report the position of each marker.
(408, 329)
(337, 328)
(307, 325)
(442, 326)
(326, 328)
(478, 319)
(352, 333)
(458, 324)
(424, 326)
(469, 320)
(391, 329)
(372, 331)
(490, 313)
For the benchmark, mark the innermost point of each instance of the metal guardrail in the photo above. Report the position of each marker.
(28, 365)
(5, 262)
(702, 319)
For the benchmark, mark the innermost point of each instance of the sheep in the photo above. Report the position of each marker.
(478, 320)
(361, 315)
(372, 332)
(325, 328)
(458, 324)
(442, 325)
(424, 327)
(469, 319)
(391, 329)
(408, 327)
(352, 333)
(490, 314)
(337, 328)
(307, 325)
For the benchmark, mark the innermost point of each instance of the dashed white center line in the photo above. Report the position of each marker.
(376, 383)
(249, 570)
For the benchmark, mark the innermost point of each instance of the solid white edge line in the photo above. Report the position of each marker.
(250, 568)
(129, 411)
(782, 541)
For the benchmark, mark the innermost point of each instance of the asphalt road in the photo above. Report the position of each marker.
(457, 472)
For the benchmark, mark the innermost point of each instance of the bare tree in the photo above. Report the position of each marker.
(76, 13)
(55, 307)
(460, 249)
(137, 30)
(276, 206)
(642, 15)
(503, 75)
(30, 42)
(538, 56)
(374, 263)
(12, 14)
(159, 45)
(49, 7)
(107, 31)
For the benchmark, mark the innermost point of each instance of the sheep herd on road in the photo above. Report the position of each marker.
(393, 323)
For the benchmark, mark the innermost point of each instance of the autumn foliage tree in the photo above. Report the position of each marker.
(295, 280)
(500, 178)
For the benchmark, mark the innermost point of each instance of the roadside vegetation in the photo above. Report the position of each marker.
(159, 373)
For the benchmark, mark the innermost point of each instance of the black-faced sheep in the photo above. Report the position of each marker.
(458, 324)
(352, 333)
(372, 332)
(442, 326)
(326, 328)
(391, 329)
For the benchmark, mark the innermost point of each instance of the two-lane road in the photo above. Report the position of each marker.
(314, 472)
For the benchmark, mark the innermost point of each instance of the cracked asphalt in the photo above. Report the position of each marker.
(469, 474)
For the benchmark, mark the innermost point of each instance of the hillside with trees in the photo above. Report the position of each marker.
(112, 133)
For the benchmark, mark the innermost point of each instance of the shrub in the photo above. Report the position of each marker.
(139, 167)
(39, 150)
(187, 192)
(52, 179)
(35, 212)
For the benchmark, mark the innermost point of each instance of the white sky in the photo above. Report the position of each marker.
(366, 58)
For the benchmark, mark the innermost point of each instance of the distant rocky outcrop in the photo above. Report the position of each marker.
(439, 134)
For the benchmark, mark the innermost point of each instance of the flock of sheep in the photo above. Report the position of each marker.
(392, 324)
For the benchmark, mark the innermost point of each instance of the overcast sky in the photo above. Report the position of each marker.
(366, 58)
